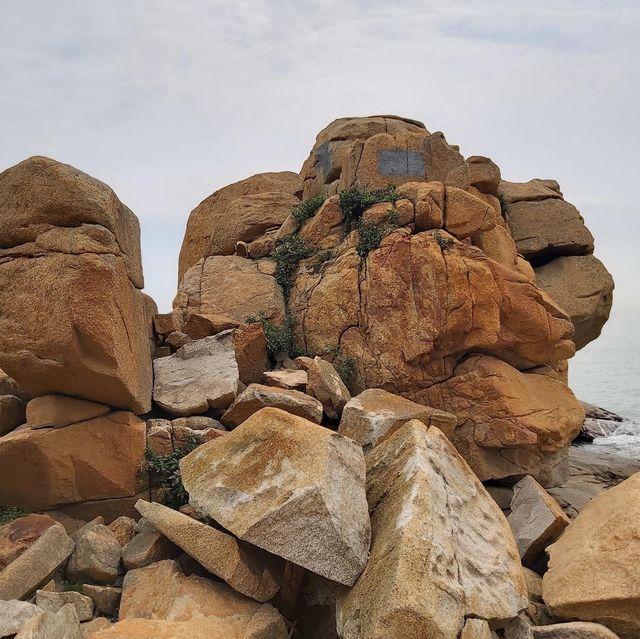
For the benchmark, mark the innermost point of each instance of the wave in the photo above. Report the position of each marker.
(623, 440)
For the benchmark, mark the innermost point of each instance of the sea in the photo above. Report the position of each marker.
(606, 373)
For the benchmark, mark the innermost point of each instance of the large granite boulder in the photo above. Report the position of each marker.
(214, 227)
(441, 549)
(583, 288)
(288, 486)
(73, 319)
(94, 460)
(594, 568)
(508, 420)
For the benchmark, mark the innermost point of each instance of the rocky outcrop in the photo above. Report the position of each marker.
(211, 214)
(306, 484)
(74, 320)
(594, 566)
(422, 498)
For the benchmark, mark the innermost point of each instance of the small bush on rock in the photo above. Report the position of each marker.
(443, 241)
(308, 208)
(279, 338)
(356, 200)
(286, 256)
(372, 234)
(167, 468)
(9, 513)
(504, 207)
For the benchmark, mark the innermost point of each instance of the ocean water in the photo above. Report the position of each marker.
(607, 373)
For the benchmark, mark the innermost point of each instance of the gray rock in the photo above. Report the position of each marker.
(202, 374)
(573, 630)
(54, 601)
(96, 556)
(63, 624)
(14, 614)
(147, 547)
(105, 598)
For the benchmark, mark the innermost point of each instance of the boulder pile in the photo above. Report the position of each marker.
(345, 428)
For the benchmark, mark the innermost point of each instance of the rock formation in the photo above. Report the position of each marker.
(298, 448)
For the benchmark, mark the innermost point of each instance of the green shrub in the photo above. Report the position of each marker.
(444, 242)
(346, 368)
(167, 469)
(356, 200)
(9, 513)
(286, 256)
(279, 338)
(308, 208)
(371, 234)
(504, 207)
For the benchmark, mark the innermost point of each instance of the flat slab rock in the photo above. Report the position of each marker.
(248, 570)
(289, 486)
(429, 510)
(200, 375)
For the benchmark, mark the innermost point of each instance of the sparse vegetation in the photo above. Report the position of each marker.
(279, 338)
(504, 207)
(371, 234)
(308, 208)
(443, 241)
(9, 513)
(346, 368)
(167, 469)
(356, 200)
(286, 256)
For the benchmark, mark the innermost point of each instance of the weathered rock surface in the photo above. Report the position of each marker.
(246, 569)
(324, 383)
(105, 598)
(55, 411)
(124, 529)
(375, 414)
(428, 510)
(54, 601)
(543, 229)
(201, 375)
(91, 628)
(73, 320)
(96, 556)
(289, 486)
(258, 396)
(12, 413)
(583, 288)
(162, 592)
(594, 568)
(287, 379)
(476, 629)
(63, 624)
(36, 564)
(418, 306)
(231, 286)
(17, 535)
(147, 547)
(507, 420)
(207, 220)
(94, 460)
(14, 614)
(573, 630)
(536, 519)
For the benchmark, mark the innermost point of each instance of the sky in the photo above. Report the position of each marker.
(168, 100)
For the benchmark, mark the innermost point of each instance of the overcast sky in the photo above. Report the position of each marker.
(167, 100)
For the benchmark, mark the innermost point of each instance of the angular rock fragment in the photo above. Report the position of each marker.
(99, 459)
(573, 630)
(147, 547)
(17, 535)
(14, 614)
(287, 379)
(12, 413)
(428, 510)
(96, 556)
(324, 383)
(375, 414)
(200, 375)
(105, 598)
(289, 486)
(594, 568)
(246, 569)
(55, 411)
(91, 628)
(36, 564)
(476, 629)
(250, 346)
(124, 529)
(63, 624)
(536, 519)
(54, 601)
(258, 396)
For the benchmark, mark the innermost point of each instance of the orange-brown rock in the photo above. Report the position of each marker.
(73, 319)
(507, 420)
(55, 411)
(484, 174)
(250, 345)
(92, 460)
(207, 220)
(17, 535)
(421, 302)
(232, 286)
